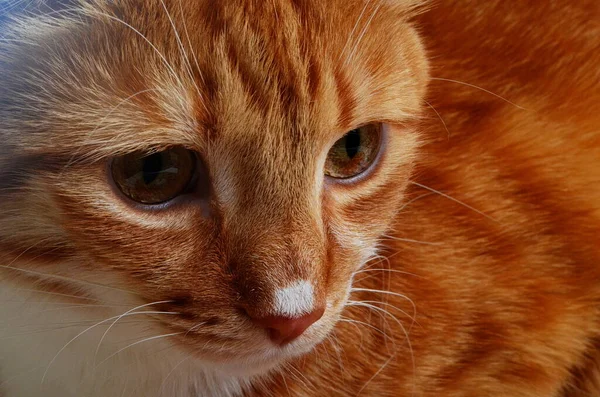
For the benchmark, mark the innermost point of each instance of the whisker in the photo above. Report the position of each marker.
(89, 329)
(64, 278)
(137, 343)
(367, 270)
(355, 322)
(17, 41)
(195, 327)
(56, 294)
(413, 318)
(164, 382)
(18, 375)
(382, 259)
(55, 309)
(385, 364)
(382, 311)
(479, 88)
(455, 200)
(107, 115)
(114, 375)
(362, 34)
(408, 240)
(335, 345)
(184, 53)
(350, 36)
(48, 328)
(413, 200)
(285, 384)
(388, 293)
(29, 249)
(120, 317)
(185, 30)
(440, 117)
(136, 31)
(310, 385)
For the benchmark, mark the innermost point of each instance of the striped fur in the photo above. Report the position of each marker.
(464, 263)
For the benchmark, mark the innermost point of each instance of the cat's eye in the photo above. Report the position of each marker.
(154, 178)
(354, 152)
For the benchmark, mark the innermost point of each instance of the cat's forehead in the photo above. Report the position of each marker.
(295, 68)
(137, 75)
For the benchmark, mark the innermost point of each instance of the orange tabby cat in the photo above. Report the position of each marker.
(299, 197)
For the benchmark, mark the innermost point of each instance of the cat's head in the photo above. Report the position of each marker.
(236, 161)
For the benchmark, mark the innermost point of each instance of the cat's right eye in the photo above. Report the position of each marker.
(354, 153)
(154, 178)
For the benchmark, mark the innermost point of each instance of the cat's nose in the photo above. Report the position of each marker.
(283, 330)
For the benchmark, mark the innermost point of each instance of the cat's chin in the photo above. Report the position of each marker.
(263, 358)
(255, 364)
(252, 353)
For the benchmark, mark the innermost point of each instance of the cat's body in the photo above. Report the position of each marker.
(484, 206)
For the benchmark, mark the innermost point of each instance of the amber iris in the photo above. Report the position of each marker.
(154, 178)
(354, 152)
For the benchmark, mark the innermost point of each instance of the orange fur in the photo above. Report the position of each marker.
(484, 208)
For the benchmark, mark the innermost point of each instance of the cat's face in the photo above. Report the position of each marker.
(257, 203)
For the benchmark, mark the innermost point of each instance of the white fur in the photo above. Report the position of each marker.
(295, 300)
(34, 327)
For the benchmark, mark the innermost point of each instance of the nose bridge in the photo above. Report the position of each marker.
(275, 229)
(279, 267)
(287, 251)
(278, 220)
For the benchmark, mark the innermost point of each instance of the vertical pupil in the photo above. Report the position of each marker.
(352, 143)
(151, 167)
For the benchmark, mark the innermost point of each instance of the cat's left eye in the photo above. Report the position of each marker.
(154, 178)
(354, 153)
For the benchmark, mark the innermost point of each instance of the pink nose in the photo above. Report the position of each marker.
(282, 330)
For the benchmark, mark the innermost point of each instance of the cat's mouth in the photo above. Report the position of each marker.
(237, 345)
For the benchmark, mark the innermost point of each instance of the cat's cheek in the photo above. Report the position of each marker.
(110, 231)
(359, 215)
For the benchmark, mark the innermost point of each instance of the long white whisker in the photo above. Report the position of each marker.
(64, 278)
(13, 4)
(62, 327)
(350, 302)
(408, 240)
(353, 321)
(184, 53)
(137, 343)
(362, 34)
(120, 317)
(195, 327)
(351, 36)
(136, 31)
(368, 269)
(336, 347)
(27, 250)
(455, 200)
(385, 292)
(55, 309)
(89, 329)
(413, 200)
(185, 30)
(56, 294)
(164, 382)
(439, 117)
(380, 310)
(99, 124)
(385, 364)
(479, 88)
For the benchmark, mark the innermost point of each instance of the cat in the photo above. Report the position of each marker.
(299, 198)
